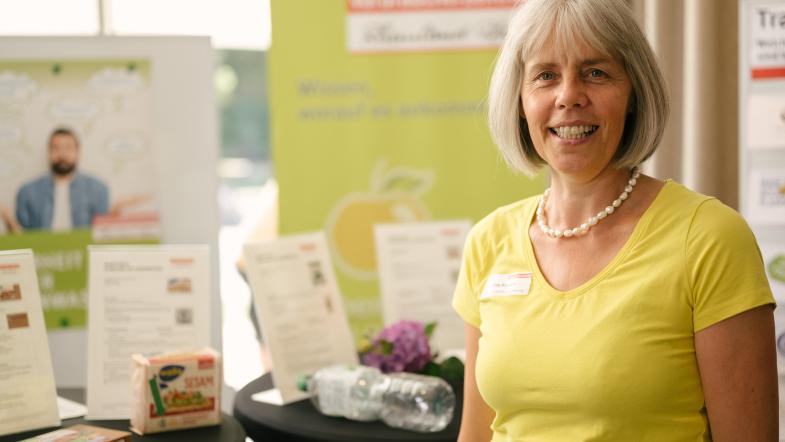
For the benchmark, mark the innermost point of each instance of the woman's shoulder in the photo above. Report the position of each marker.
(703, 215)
(678, 196)
(505, 218)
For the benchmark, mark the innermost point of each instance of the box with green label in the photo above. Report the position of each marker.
(175, 391)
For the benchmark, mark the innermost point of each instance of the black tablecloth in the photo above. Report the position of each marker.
(229, 430)
(300, 422)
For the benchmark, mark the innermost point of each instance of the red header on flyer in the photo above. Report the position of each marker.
(768, 73)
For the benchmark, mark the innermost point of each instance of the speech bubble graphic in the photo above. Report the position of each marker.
(115, 81)
(10, 166)
(10, 133)
(116, 84)
(125, 147)
(16, 87)
(75, 109)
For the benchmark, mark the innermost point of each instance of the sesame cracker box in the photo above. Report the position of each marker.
(174, 391)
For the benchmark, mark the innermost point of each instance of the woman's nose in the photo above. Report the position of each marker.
(571, 93)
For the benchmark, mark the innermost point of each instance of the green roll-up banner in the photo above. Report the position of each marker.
(377, 116)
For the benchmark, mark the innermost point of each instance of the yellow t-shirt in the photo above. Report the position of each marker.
(613, 359)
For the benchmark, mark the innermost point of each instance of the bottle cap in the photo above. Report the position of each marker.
(302, 382)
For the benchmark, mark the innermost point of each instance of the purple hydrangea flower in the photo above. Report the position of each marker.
(402, 346)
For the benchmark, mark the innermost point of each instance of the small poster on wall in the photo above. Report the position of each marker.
(766, 121)
(76, 166)
(766, 199)
(767, 31)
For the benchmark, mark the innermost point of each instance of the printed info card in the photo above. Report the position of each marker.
(28, 399)
(299, 309)
(142, 299)
(418, 269)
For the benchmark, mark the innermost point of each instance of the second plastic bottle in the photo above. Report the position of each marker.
(401, 400)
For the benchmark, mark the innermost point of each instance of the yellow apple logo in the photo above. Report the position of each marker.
(392, 198)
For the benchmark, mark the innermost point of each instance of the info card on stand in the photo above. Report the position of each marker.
(299, 308)
(418, 267)
(142, 299)
(28, 399)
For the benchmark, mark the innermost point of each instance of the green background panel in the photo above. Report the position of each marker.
(335, 116)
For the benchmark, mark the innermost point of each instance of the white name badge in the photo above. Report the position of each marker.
(510, 284)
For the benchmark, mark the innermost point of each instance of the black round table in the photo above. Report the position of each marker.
(229, 430)
(300, 422)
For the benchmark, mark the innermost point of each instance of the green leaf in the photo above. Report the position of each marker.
(431, 369)
(385, 347)
(364, 347)
(777, 268)
(302, 382)
(429, 328)
(452, 369)
(404, 180)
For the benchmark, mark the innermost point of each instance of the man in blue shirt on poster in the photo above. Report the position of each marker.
(64, 199)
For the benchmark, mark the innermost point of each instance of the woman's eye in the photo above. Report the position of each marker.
(546, 76)
(596, 73)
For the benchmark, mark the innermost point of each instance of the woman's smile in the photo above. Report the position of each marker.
(574, 132)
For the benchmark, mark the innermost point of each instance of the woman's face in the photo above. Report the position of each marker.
(575, 103)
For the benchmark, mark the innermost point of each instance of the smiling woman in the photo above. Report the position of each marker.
(580, 27)
(575, 101)
(645, 313)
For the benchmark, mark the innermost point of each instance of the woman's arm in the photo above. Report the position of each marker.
(477, 415)
(738, 370)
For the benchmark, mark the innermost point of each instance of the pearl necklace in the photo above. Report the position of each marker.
(593, 220)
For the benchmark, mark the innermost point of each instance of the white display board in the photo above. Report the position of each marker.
(300, 309)
(418, 268)
(28, 399)
(184, 147)
(143, 299)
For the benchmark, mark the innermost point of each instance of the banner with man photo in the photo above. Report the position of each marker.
(76, 167)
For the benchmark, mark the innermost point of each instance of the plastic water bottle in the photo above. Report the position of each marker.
(401, 400)
(348, 392)
(417, 402)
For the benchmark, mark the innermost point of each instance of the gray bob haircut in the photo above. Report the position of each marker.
(607, 26)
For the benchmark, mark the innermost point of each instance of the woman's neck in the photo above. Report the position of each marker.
(573, 199)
